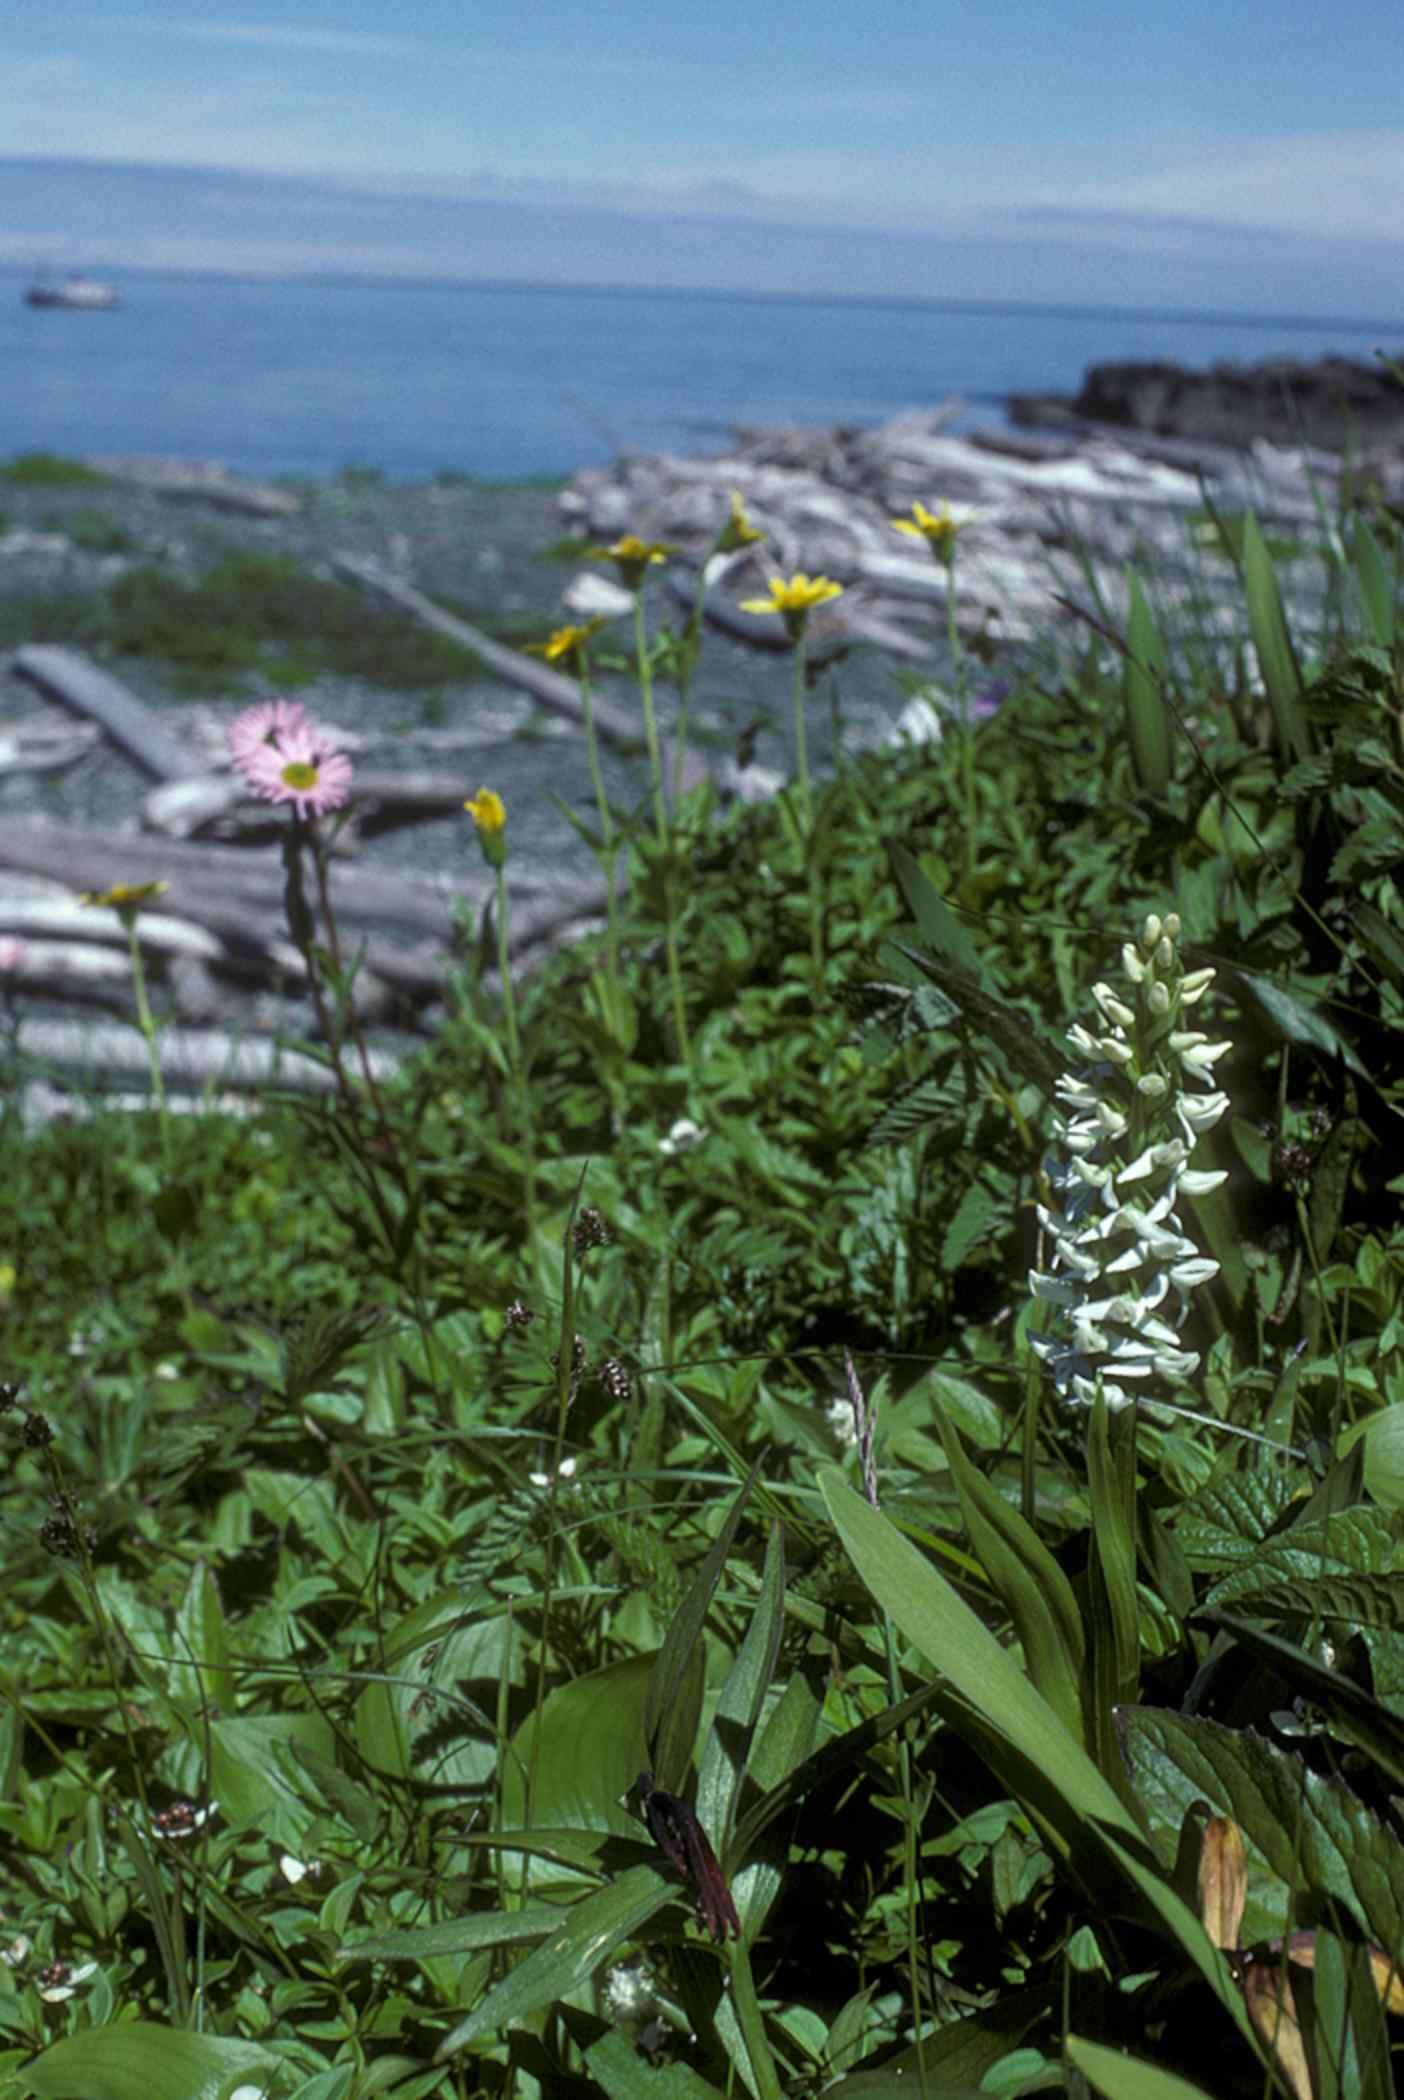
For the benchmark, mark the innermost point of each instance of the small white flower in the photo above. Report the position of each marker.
(296, 1870)
(66, 1980)
(565, 1473)
(682, 1137)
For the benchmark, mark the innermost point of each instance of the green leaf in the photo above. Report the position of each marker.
(1111, 1577)
(1267, 623)
(1383, 1439)
(1298, 1020)
(595, 1926)
(1377, 584)
(936, 922)
(571, 1763)
(137, 2060)
(1028, 1582)
(455, 1935)
(246, 1778)
(625, 2075)
(1016, 1729)
(1123, 2077)
(724, 1756)
(1143, 694)
(1304, 1832)
(673, 1704)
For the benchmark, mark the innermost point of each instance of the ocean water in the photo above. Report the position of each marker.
(508, 382)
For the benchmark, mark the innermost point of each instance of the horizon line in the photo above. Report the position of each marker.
(900, 301)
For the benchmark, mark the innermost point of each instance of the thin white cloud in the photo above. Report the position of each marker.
(349, 43)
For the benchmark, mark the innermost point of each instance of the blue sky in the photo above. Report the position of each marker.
(1090, 142)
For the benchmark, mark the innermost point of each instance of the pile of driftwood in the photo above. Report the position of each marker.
(1041, 512)
(215, 945)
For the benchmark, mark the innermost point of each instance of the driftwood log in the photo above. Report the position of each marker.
(405, 927)
(617, 727)
(190, 1057)
(65, 676)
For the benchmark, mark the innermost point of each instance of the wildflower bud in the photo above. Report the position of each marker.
(9, 1397)
(592, 1229)
(38, 1432)
(59, 1536)
(520, 1316)
(1150, 932)
(615, 1379)
(1158, 1000)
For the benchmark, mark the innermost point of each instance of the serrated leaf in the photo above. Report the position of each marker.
(138, 2060)
(1228, 1520)
(977, 1208)
(1352, 1542)
(1303, 1831)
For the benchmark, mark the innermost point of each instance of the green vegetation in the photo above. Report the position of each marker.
(97, 532)
(392, 1480)
(49, 470)
(249, 612)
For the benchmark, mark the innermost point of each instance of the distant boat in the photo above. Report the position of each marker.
(85, 293)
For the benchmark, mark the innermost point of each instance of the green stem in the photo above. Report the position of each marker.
(801, 736)
(514, 1045)
(146, 1022)
(655, 760)
(752, 2024)
(608, 841)
(967, 740)
(660, 818)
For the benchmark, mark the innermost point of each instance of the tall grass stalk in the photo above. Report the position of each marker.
(660, 819)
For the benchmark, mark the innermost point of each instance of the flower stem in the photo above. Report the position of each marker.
(514, 1047)
(609, 845)
(660, 818)
(752, 2023)
(967, 739)
(801, 737)
(146, 1022)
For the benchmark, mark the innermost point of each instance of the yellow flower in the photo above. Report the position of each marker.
(938, 529)
(125, 897)
(795, 599)
(567, 644)
(487, 809)
(489, 815)
(631, 556)
(738, 530)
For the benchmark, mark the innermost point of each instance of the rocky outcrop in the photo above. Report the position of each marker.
(1335, 403)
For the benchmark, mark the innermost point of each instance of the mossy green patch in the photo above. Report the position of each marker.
(49, 470)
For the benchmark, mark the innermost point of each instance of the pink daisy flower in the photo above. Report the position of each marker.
(300, 769)
(268, 722)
